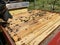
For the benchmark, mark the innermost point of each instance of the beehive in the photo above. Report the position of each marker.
(30, 28)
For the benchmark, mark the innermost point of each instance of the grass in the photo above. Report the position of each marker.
(45, 5)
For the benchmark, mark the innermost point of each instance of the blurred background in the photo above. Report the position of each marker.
(50, 5)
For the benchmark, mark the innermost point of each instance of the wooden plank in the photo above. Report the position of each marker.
(18, 12)
(30, 37)
(44, 35)
(29, 30)
(27, 39)
(19, 32)
(25, 30)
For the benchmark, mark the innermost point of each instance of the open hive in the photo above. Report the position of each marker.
(31, 28)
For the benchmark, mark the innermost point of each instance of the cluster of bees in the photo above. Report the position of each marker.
(21, 22)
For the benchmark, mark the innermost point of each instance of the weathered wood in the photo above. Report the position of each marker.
(34, 27)
(17, 12)
(33, 35)
(26, 33)
(44, 35)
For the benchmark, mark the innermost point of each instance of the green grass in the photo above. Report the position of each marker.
(45, 5)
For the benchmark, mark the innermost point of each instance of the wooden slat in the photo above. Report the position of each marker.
(44, 35)
(17, 12)
(30, 37)
(29, 30)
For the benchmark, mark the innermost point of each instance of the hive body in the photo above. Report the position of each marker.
(30, 28)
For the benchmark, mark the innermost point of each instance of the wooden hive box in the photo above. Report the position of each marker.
(30, 28)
